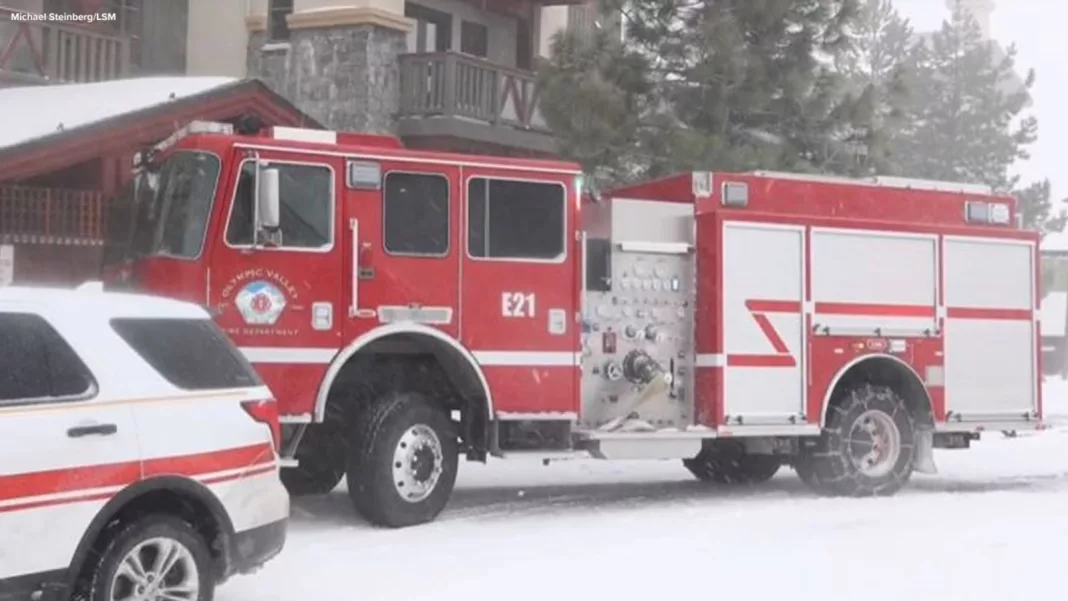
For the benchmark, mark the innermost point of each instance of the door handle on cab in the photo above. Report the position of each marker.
(97, 429)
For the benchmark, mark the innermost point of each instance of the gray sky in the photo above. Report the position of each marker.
(1037, 29)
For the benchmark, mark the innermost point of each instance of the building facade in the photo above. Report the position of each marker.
(444, 74)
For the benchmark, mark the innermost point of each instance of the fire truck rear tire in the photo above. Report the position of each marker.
(866, 448)
(403, 461)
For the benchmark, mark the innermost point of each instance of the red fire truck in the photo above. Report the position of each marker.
(407, 307)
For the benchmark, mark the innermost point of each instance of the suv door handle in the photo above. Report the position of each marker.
(99, 430)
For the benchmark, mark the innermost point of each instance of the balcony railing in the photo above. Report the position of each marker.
(455, 85)
(51, 216)
(36, 52)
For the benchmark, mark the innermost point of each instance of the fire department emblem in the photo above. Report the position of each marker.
(260, 303)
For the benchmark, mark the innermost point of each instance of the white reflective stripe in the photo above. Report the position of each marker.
(527, 358)
(268, 354)
(319, 356)
(534, 417)
(709, 360)
(96, 493)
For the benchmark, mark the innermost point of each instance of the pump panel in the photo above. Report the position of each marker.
(648, 308)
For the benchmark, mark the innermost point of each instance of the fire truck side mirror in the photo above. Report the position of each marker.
(267, 202)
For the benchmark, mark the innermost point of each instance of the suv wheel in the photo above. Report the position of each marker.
(155, 558)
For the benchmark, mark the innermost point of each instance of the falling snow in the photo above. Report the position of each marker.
(989, 526)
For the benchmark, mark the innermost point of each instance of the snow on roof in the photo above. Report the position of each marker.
(34, 112)
(1055, 242)
(1054, 311)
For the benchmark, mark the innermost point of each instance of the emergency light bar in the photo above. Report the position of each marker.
(193, 127)
(993, 213)
(732, 194)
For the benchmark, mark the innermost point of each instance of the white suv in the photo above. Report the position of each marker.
(138, 450)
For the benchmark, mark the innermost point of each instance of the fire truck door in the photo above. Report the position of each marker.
(519, 290)
(402, 246)
(277, 294)
(763, 327)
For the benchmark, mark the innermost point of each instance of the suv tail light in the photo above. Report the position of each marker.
(266, 412)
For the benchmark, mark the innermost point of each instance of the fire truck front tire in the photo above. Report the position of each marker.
(866, 448)
(403, 461)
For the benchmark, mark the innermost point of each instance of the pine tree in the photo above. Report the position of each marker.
(1035, 206)
(877, 70)
(968, 125)
(711, 84)
(593, 95)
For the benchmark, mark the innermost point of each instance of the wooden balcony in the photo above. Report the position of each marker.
(31, 215)
(35, 53)
(454, 96)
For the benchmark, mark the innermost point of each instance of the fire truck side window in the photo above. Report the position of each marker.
(306, 194)
(509, 219)
(415, 214)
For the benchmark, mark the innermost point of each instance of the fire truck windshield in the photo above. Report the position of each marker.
(183, 200)
(171, 207)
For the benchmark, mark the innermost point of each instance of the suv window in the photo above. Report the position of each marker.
(515, 219)
(306, 206)
(415, 214)
(192, 354)
(36, 363)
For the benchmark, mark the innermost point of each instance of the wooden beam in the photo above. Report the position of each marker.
(123, 134)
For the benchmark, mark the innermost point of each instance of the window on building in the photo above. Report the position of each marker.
(515, 220)
(192, 354)
(36, 364)
(130, 23)
(415, 214)
(524, 46)
(306, 206)
(1054, 274)
(474, 39)
(277, 11)
(432, 31)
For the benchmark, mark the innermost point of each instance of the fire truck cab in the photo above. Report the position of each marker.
(407, 307)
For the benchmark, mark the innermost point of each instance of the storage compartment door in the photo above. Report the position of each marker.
(991, 363)
(764, 336)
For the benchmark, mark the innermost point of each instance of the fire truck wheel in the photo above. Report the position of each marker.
(321, 463)
(403, 461)
(732, 468)
(867, 444)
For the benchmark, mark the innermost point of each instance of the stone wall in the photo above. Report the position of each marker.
(347, 77)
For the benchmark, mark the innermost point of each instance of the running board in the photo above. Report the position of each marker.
(661, 444)
(543, 456)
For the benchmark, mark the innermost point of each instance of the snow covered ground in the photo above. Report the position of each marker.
(987, 527)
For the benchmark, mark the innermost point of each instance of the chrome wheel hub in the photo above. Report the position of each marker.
(418, 461)
(874, 444)
(158, 569)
